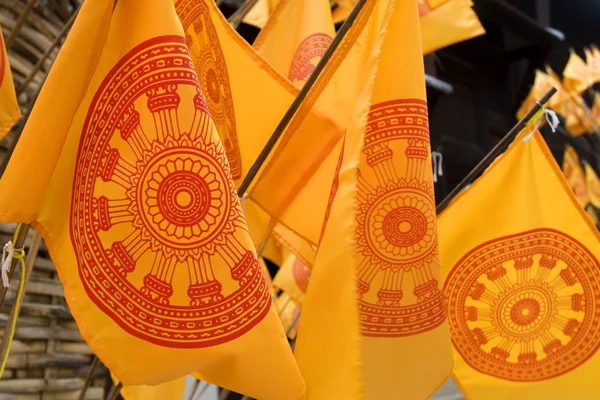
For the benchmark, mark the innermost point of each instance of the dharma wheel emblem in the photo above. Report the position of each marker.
(398, 273)
(160, 239)
(307, 56)
(209, 61)
(525, 307)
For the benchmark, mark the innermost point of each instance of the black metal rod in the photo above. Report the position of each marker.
(114, 391)
(89, 378)
(287, 118)
(237, 17)
(495, 152)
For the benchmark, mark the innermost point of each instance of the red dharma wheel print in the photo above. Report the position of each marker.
(424, 7)
(156, 226)
(205, 50)
(525, 307)
(307, 56)
(301, 275)
(398, 273)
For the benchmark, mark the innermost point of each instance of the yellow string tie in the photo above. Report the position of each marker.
(18, 254)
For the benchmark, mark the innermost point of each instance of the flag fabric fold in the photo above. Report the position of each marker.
(376, 279)
(132, 190)
(9, 106)
(522, 282)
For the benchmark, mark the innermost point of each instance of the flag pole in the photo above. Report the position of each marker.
(17, 28)
(114, 391)
(89, 378)
(238, 16)
(287, 118)
(496, 151)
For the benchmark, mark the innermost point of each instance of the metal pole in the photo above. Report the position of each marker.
(495, 152)
(287, 118)
(17, 28)
(114, 392)
(89, 378)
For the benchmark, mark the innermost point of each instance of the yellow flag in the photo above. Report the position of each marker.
(140, 213)
(295, 244)
(443, 22)
(580, 119)
(596, 109)
(292, 278)
(381, 231)
(295, 37)
(288, 311)
(592, 184)
(570, 105)
(299, 155)
(574, 174)
(9, 107)
(523, 282)
(259, 14)
(172, 390)
(247, 98)
(576, 75)
(541, 85)
(593, 62)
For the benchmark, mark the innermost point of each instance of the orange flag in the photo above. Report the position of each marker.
(571, 106)
(541, 85)
(523, 282)
(374, 316)
(233, 75)
(295, 244)
(140, 213)
(593, 61)
(171, 390)
(443, 22)
(292, 278)
(9, 106)
(259, 14)
(295, 37)
(592, 185)
(576, 75)
(596, 109)
(574, 174)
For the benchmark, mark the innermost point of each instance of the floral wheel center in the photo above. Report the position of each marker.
(525, 311)
(404, 226)
(180, 198)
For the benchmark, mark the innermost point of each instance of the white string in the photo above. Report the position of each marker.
(437, 158)
(7, 257)
(551, 119)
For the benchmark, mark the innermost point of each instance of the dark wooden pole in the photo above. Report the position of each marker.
(495, 152)
(90, 377)
(114, 392)
(17, 28)
(287, 118)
